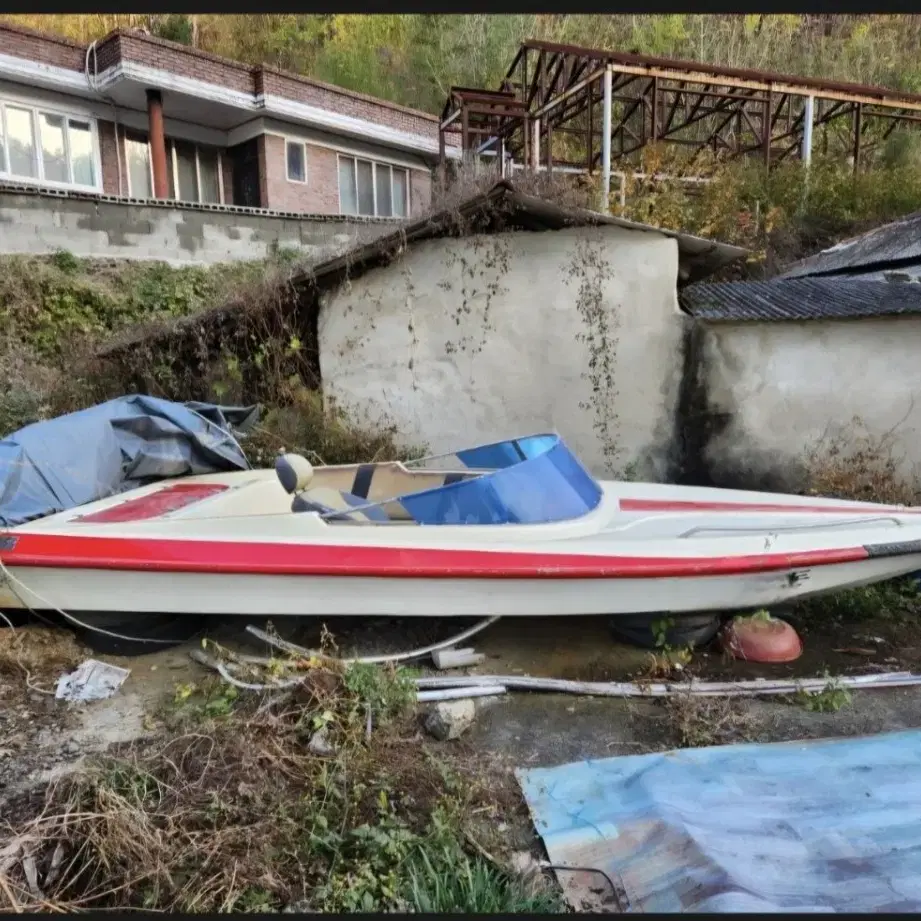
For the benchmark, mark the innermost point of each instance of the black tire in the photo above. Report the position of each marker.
(168, 630)
(684, 630)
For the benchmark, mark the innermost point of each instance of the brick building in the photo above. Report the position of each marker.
(139, 117)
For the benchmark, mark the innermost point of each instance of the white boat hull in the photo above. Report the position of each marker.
(645, 548)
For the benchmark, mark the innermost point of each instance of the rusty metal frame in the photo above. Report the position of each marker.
(730, 111)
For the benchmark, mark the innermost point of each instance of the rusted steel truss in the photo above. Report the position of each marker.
(549, 110)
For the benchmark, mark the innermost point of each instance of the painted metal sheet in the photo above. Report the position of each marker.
(819, 826)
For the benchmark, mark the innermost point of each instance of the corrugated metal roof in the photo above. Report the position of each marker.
(891, 244)
(505, 207)
(800, 299)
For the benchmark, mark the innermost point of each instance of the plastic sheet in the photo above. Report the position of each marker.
(830, 826)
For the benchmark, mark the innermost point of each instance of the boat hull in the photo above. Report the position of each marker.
(230, 594)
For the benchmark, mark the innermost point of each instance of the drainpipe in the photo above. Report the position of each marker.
(808, 111)
(157, 143)
(606, 143)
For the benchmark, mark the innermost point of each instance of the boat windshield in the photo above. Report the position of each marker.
(531, 480)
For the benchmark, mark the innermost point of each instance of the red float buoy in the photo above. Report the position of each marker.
(761, 638)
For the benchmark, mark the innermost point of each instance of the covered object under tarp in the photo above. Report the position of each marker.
(51, 466)
(818, 826)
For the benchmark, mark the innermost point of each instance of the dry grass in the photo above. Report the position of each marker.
(696, 722)
(859, 465)
(228, 809)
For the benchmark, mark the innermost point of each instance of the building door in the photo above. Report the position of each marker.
(245, 165)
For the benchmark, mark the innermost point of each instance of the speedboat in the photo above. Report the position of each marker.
(519, 527)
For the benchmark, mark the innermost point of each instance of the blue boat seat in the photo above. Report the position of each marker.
(324, 500)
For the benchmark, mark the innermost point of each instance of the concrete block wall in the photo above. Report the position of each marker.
(90, 226)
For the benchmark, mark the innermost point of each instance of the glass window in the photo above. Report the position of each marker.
(348, 195)
(297, 161)
(210, 176)
(137, 157)
(384, 197)
(54, 152)
(400, 193)
(365, 188)
(21, 133)
(80, 136)
(186, 170)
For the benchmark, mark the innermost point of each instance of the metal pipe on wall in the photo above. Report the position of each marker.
(606, 142)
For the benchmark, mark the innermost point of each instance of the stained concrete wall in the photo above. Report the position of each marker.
(93, 226)
(488, 337)
(779, 391)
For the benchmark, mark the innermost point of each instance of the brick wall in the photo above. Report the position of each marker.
(346, 102)
(108, 155)
(319, 195)
(39, 46)
(197, 65)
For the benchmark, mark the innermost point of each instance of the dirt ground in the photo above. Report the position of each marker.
(41, 738)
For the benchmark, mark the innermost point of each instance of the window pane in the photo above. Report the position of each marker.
(22, 142)
(210, 178)
(365, 188)
(297, 168)
(137, 155)
(54, 154)
(400, 188)
(2, 144)
(384, 206)
(348, 197)
(81, 153)
(185, 167)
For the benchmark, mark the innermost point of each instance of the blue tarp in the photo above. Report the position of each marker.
(48, 467)
(831, 826)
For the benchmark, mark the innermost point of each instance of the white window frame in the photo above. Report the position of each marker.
(303, 146)
(124, 156)
(35, 111)
(173, 164)
(375, 165)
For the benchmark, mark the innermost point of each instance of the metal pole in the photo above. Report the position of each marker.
(535, 144)
(606, 144)
(808, 110)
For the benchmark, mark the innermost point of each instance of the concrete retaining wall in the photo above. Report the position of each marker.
(465, 341)
(97, 226)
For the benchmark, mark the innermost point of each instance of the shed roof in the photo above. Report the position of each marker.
(504, 207)
(891, 245)
(800, 299)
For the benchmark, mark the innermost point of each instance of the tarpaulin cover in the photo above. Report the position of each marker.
(48, 467)
(831, 826)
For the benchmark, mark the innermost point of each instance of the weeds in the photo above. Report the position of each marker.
(696, 722)
(230, 810)
(830, 699)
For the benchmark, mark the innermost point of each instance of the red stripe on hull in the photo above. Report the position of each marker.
(225, 557)
(691, 505)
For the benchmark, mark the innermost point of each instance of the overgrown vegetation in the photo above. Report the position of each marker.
(58, 311)
(231, 808)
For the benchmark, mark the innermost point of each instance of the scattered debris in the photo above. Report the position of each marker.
(450, 719)
(487, 690)
(319, 743)
(752, 688)
(456, 658)
(303, 652)
(93, 680)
